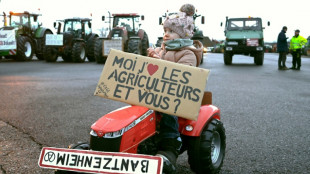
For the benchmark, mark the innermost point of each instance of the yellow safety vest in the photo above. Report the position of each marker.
(297, 42)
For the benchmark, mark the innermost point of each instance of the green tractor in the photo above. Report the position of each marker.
(23, 37)
(74, 43)
(126, 35)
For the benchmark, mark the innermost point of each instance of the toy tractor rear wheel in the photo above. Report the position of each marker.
(206, 153)
(98, 51)
(79, 52)
(24, 49)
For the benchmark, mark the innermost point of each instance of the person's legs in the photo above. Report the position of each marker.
(279, 61)
(170, 142)
(294, 60)
(298, 59)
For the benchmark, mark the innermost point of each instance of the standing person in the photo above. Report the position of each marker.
(176, 47)
(296, 44)
(282, 49)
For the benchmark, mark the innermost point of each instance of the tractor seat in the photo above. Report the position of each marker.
(207, 98)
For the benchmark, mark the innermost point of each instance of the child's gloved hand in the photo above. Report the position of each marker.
(152, 53)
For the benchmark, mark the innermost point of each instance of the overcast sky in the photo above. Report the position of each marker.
(293, 14)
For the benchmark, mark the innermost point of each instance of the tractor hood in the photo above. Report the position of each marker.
(248, 34)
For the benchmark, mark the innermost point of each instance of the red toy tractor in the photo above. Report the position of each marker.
(133, 130)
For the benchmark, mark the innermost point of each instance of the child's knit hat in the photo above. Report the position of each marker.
(182, 22)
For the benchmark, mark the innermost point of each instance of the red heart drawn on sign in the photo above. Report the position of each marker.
(152, 69)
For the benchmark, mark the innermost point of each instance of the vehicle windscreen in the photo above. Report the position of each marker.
(19, 20)
(72, 26)
(244, 24)
(127, 22)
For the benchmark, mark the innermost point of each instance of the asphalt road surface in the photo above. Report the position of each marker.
(266, 112)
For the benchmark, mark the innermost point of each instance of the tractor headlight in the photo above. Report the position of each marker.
(114, 134)
(93, 133)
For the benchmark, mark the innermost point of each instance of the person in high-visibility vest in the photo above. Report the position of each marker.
(296, 44)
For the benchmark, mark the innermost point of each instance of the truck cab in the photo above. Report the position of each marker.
(244, 36)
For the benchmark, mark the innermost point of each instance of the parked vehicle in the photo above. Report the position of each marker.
(126, 35)
(23, 36)
(74, 43)
(244, 36)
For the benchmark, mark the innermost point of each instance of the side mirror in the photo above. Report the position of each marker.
(89, 25)
(54, 24)
(160, 20)
(221, 24)
(103, 18)
(202, 20)
(268, 23)
(35, 18)
(142, 17)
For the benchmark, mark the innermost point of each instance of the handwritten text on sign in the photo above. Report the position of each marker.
(160, 85)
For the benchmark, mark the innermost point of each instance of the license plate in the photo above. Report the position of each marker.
(99, 162)
(112, 44)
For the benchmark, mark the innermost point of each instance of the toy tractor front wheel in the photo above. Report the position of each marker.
(206, 153)
(79, 52)
(24, 49)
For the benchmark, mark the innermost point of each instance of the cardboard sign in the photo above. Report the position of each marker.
(7, 40)
(99, 162)
(160, 85)
(54, 39)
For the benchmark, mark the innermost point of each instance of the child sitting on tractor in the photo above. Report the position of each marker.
(176, 47)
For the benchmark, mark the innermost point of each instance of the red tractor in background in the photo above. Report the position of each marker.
(125, 35)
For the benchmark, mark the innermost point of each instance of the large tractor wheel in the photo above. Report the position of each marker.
(259, 58)
(91, 48)
(134, 46)
(79, 52)
(98, 51)
(41, 41)
(24, 49)
(227, 58)
(80, 146)
(206, 153)
(50, 54)
(145, 44)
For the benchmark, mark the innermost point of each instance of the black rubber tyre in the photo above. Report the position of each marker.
(91, 48)
(24, 49)
(206, 153)
(79, 52)
(227, 58)
(135, 46)
(80, 146)
(41, 55)
(259, 58)
(98, 51)
(145, 44)
(50, 54)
